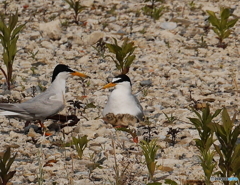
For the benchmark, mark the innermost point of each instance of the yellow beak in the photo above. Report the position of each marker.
(79, 74)
(109, 85)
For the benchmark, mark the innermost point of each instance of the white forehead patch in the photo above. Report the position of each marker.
(115, 79)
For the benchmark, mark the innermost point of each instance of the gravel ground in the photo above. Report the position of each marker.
(171, 61)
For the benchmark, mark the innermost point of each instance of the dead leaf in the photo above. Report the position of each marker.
(165, 168)
(48, 163)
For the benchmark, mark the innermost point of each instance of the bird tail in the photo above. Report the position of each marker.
(10, 109)
(8, 113)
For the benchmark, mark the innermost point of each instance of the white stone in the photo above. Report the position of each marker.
(51, 29)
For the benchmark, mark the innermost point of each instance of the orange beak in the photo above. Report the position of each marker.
(109, 85)
(79, 74)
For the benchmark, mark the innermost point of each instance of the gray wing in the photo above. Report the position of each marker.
(140, 115)
(43, 105)
(39, 107)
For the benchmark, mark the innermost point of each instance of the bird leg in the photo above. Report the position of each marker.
(41, 124)
(27, 123)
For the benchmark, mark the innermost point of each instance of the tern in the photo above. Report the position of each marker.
(121, 99)
(46, 104)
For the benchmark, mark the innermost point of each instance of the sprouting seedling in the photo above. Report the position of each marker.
(154, 13)
(80, 143)
(149, 150)
(202, 43)
(152, 10)
(33, 54)
(9, 34)
(77, 8)
(192, 5)
(222, 26)
(123, 54)
(170, 119)
(5, 165)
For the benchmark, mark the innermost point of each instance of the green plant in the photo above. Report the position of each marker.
(80, 143)
(5, 165)
(9, 35)
(202, 43)
(149, 150)
(33, 54)
(228, 151)
(77, 8)
(120, 175)
(202, 124)
(123, 54)
(152, 10)
(154, 13)
(222, 26)
(208, 164)
(192, 5)
(170, 119)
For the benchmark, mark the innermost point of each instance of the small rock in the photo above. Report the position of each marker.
(93, 38)
(168, 25)
(146, 83)
(51, 29)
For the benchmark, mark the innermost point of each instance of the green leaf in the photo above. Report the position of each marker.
(235, 134)
(217, 112)
(169, 181)
(226, 120)
(17, 30)
(214, 21)
(226, 34)
(113, 48)
(216, 30)
(217, 148)
(2, 168)
(13, 49)
(129, 60)
(154, 183)
(231, 23)
(90, 105)
(211, 13)
(6, 155)
(5, 58)
(13, 21)
(225, 13)
(10, 161)
(10, 175)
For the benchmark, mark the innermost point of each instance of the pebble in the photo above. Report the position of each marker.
(170, 61)
(168, 25)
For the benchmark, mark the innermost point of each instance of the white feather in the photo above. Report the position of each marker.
(8, 113)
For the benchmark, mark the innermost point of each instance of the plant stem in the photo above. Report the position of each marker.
(5, 75)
